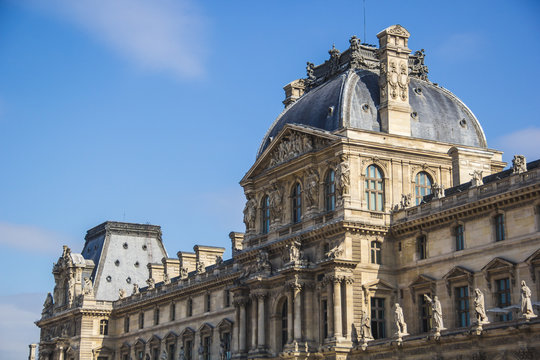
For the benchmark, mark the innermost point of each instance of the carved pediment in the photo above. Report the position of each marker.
(154, 340)
(534, 262)
(293, 141)
(125, 347)
(140, 343)
(499, 266)
(422, 283)
(458, 273)
(188, 332)
(171, 336)
(205, 328)
(379, 285)
(225, 324)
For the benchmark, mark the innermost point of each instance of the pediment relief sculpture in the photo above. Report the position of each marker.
(293, 145)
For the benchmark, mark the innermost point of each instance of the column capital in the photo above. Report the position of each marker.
(240, 301)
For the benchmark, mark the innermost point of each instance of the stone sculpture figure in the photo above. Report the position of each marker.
(365, 327)
(334, 252)
(48, 305)
(166, 279)
(250, 211)
(519, 164)
(151, 283)
(181, 353)
(343, 179)
(294, 252)
(275, 202)
(199, 267)
(406, 200)
(526, 305)
(312, 188)
(263, 264)
(135, 288)
(437, 190)
(121, 293)
(183, 273)
(479, 308)
(201, 351)
(476, 178)
(400, 321)
(71, 289)
(88, 287)
(436, 310)
(163, 355)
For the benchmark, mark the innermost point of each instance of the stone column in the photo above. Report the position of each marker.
(261, 335)
(32, 354)
(289, 317)
(60, 353)
(337, 307)
(253, 322)
(330, 307)
(297, 292)
(240, 303)
(349, 307)
(309, 313)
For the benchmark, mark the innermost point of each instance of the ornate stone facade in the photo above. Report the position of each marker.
(358, 244)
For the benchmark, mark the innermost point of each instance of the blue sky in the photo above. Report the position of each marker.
(152, 111)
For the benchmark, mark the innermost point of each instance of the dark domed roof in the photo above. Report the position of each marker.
(351, 100)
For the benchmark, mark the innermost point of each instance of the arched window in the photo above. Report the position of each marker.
(422, 186)
(284, 324)
(330, 191)
(375, 252)
(296, 198)
(265, 214)
(374, 188)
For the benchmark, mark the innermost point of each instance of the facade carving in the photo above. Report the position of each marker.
(336, 258)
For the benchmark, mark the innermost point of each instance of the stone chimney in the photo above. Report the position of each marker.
(293, 91)
(394, 108)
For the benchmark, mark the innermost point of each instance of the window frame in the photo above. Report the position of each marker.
(378, 323)
(500, 227)
(420, 188)
(374, 185)
(104, 327)
(375, 251)
(422, 247)
(296, 203)
(265, 214)
(462, 306)
(497, 294)
(330, 190)
(459, 237)
(425, 312)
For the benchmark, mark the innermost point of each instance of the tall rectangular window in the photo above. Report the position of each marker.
(171, 352)
(189, 307)
(188, 349)
(460, 243)
(141, 320)
(208, 303)
(378, 326)
(227, 296)
(325, 318)
(104, 327)
(376, 252)
(226, 338)
(462, 306)
(422, 247)
(156, 316)
(206, 348)
(126, 324)
(426, 317)
(502, 293)
(172, 312)
(499, 227)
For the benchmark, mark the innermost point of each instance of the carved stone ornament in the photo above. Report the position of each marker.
(476, 178)
(291, 146)
(151, 283)
(365, 327)
(437, 190)
(250, 212)
(88, 287)
(311, 78)
(312, 188)
(436, 310)
(294, 253)
(480, 308)
(276, 202)
(343, 176)
(417, 67)
(48, 305)
(199, 267)
(526, 305)
(398, 30)
(263, 264)
(335, 55)
(383, 79)
(135, 289)
(357, 60)
(335, 252)
(183, 273)
(398, 80)
(406, 201)
(166, 279)
(121, 293)
(519, 164)
(401, 326)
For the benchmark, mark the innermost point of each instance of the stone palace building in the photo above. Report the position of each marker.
(379, 225)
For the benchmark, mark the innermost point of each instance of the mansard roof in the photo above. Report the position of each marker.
(343, 92)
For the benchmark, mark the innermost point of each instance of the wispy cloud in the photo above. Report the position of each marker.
(165, 35)
(460, 47)
(523, 142)
(17, 328)
(31, 238)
